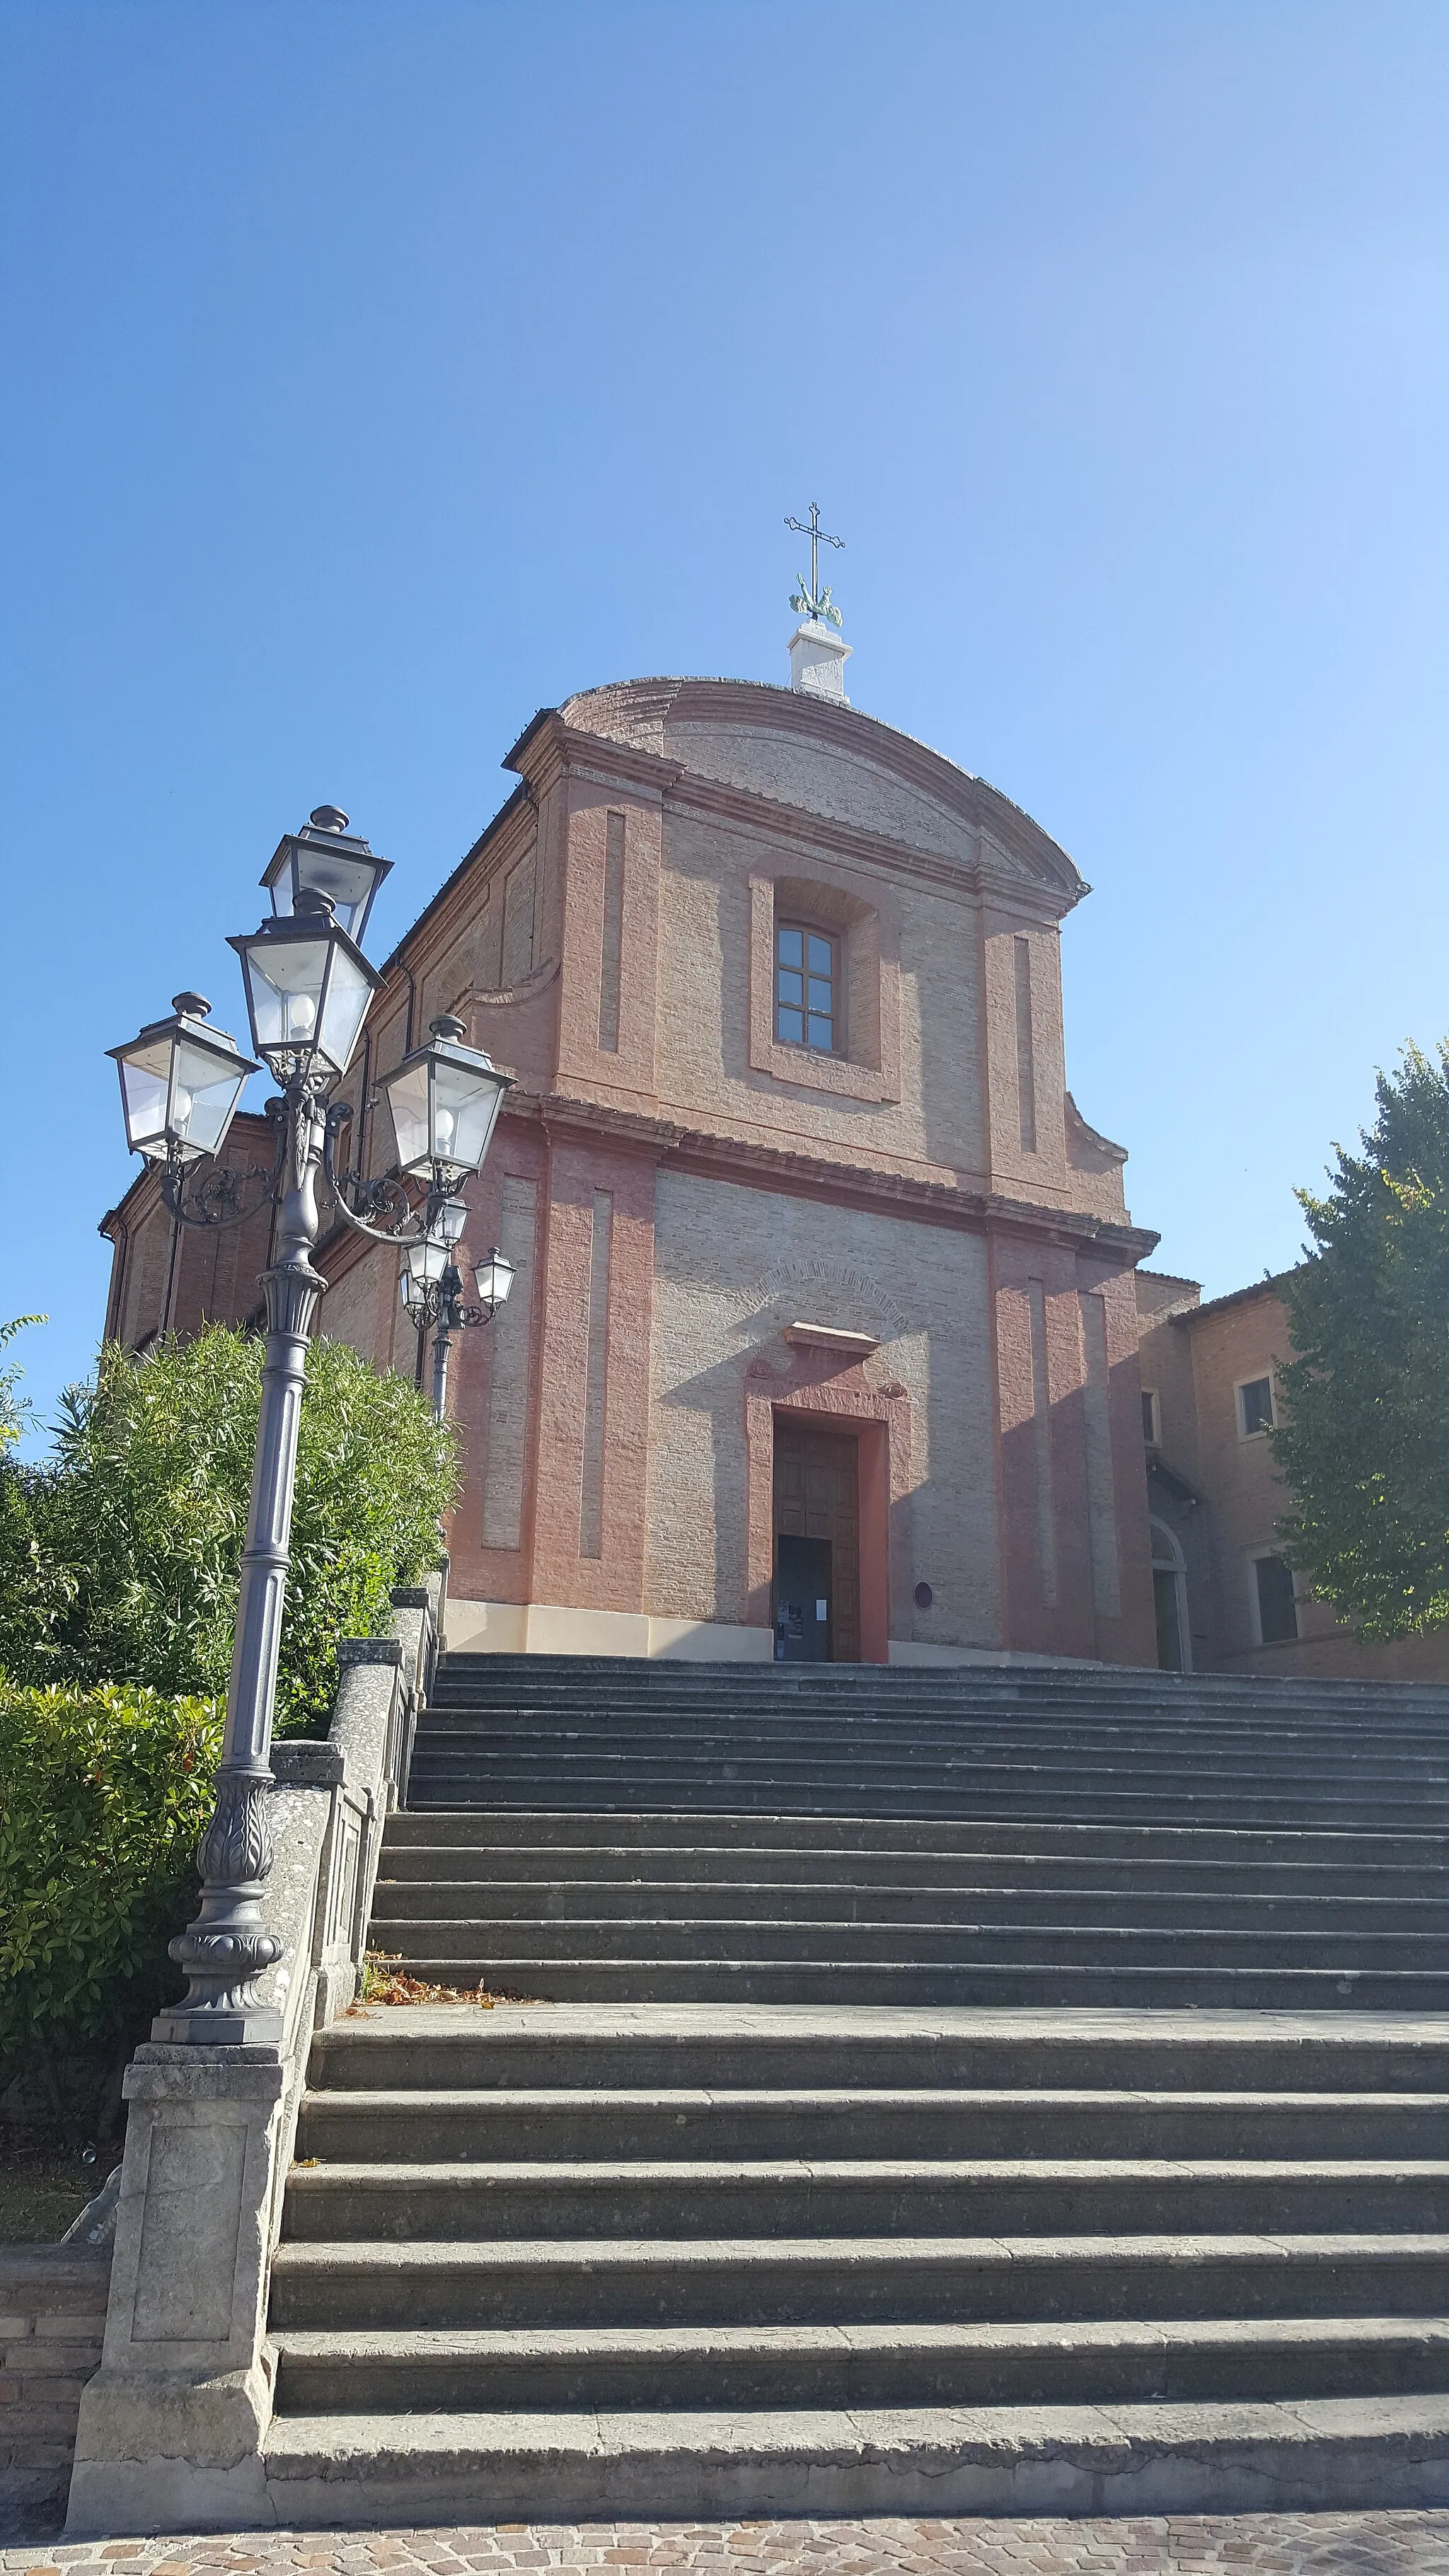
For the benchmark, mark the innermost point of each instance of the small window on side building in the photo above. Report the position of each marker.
(1151, 1417)
(806, 1008)
(1274, 1600)
(1255, 1407)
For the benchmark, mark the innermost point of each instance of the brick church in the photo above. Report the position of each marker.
(831, 1333)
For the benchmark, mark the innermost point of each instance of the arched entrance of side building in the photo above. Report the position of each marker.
(1169, 1592)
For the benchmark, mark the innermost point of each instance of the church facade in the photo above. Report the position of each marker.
(825, 1291)
(824, 1339)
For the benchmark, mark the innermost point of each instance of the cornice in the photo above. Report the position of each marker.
(760, 707)
(560, 749)
(552, 745)
(707, 1156)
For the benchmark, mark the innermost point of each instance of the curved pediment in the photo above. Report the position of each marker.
(830, 761)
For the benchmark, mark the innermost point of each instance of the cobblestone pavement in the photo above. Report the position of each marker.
(1266, 2544)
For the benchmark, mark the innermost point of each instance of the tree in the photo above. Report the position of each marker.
(1365, 1443)
(15, 1408)
(119, 1560)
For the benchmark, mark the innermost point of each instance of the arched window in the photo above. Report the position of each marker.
(1169, 1593)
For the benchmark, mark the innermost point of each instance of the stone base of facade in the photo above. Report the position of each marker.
(556, 1628)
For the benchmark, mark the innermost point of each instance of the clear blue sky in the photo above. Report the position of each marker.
(381, 370)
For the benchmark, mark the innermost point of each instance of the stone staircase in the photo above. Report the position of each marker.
(985, 2091)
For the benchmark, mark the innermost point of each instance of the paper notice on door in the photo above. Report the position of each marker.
(819, 1609)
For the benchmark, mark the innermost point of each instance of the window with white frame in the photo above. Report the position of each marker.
(1272, 1598)
(1255, 1407)
(1151, 1417)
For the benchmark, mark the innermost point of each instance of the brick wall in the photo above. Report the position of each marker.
(734, 1268)
(52, 2316)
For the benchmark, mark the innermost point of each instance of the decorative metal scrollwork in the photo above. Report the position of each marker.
(384, 1209)
(221, 1196)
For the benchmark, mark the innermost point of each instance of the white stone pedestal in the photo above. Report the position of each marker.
(817, 661)
(172, 2425)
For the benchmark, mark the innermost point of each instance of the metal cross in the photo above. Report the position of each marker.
(813, 604)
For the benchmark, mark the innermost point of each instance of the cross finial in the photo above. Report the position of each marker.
(814, 602)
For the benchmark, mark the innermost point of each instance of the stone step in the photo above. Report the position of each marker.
(777, 1936)
(472, 1779)
(874, 2197)
(496, 1863)
(857, 1716)
(425, 2470)
(1030, 1683)
(863, 1899)
(1094, 2362)
(790, 1752)
(695, 2126)
(914, 1983)
(1002, 1967)
(777, 2280)
(765, 2047)
(821, 1733)
(549, 1828)
(1356, 1744)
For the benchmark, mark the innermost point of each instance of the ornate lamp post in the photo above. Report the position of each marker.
(308, 987)
(431, 1287)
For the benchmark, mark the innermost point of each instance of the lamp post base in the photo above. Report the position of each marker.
(253, 2026)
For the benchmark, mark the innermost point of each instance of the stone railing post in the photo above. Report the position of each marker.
(173, 2425)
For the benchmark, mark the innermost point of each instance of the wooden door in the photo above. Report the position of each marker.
(817, 1495)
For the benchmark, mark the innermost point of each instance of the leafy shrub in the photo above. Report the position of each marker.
(103, 1794)
(119, 1561)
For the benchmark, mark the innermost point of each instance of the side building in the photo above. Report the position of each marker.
(1226, 1598)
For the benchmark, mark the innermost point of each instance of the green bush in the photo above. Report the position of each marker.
(119, 1560)
(103, 1794)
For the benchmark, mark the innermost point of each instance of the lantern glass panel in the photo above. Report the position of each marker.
(493, 1277)
(145, 1096)
(285, 981)
(466, 1102)
(350, 987)
(307, 997)
(407, 1098)
(348, 881)
(179, 1090)
(428, 1259)
(205, 1090)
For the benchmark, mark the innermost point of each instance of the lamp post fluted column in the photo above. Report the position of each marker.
(228, 1947)
(442, 1343)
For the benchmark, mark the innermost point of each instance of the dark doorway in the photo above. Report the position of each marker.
(817, 1503)
(802, 1601)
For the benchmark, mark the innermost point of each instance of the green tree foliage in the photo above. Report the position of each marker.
(103, 1794)
(119, 1560)
(15, 1408)
(1365, 1446)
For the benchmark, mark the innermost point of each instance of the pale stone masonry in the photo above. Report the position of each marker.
(681, 1181)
